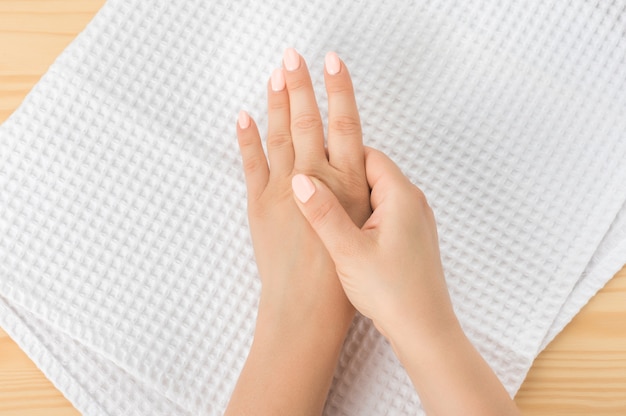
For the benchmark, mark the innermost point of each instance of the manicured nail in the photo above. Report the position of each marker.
(291, 59)
(332, 62)
(244, 120)
(302, 187)
(278, 80)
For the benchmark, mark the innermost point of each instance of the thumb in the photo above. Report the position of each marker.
(324, 212)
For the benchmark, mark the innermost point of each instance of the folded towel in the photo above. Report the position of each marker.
(123, 234)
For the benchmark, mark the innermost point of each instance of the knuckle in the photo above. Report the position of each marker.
(341, 87)
(247, 141)
(252, 164)
(350, 181)
(355, 192)
(345, 125)
(315, 170)
(297, 83)
(307, 122)
(277, 104)
(278, 139)
(320, 215)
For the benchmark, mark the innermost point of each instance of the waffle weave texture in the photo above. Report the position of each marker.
(126, 268)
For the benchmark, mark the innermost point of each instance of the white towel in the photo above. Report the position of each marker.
(123, 238)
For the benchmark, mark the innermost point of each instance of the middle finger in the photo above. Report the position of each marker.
(306, 123)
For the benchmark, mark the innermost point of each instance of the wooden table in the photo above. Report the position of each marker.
(582, 372)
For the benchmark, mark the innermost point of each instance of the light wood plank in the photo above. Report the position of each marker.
(24, 390)
(583, 371)
(32, 35)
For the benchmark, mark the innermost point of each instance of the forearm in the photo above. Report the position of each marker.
(289, 368)
(450, 376)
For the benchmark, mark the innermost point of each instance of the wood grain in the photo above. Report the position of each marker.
(32, 35)
(24, 390)
(582, 372)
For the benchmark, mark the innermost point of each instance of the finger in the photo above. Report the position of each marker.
(327, 217)
(379, 167)
(254, 162)
(307, 131)
(383, 176)
(279, 143)
(345, 143)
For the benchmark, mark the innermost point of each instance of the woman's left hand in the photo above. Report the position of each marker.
(303, 311)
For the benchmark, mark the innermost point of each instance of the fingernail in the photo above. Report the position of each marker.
(244, 120)
(302, 187)
(278, 80)
(291, 59)
(332, 62)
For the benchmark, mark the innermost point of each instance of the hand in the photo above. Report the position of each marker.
(390, 268)
(391, 271)
(303, 312)
(297, 274)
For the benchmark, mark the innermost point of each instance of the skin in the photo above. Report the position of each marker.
(391, 271)
(321, 252)
(303, 312)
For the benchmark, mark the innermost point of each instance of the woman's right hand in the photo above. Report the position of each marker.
(391, 271)
(390, 268)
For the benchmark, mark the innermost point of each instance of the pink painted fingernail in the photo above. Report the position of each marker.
(291, 59)
(302, 187)
(244, 120)
(278, 80)
(332, 62)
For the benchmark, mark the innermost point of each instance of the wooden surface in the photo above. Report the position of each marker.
(582, 372)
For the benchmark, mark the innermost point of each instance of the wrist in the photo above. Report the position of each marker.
(422, 331)
(280, 329)
(325, 315)
(427, 341)
(441, 360)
